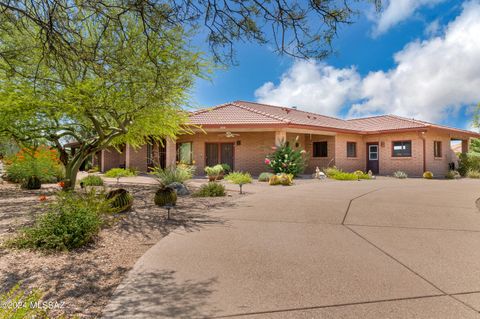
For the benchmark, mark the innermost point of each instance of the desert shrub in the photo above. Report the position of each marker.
(344, 176)
(19, 304)
(72, 221)
(239, 178)
(226, 168)
(468, 162)
(214, 172)
(331, 171)
(452, 174)
(172, 174)
(361, 175)
(264, 177)
(286, 160)
(92, 180)
(94, 169)
(120, 172)
(281, 179)
(428, 175)
(211, 189)
(400, 174)
(473, 174)
(42, 162)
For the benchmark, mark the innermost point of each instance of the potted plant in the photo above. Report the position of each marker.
(214, 173)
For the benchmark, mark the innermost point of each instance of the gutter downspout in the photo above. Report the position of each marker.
(424, 152)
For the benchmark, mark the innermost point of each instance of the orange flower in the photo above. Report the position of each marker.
(42, 198)
(61, 184)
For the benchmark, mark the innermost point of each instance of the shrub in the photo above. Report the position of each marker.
(92, 180)
(361, 175)
(211, 189)
(286, 160)
(72, 221)
(452, 174)
(400, 174)
(214, 172)
(172, 174)
(165, 196)
(473, 174)
(239, 178)
(344, 176)
(281, 179)
(120, 200)
(94, 169)
(428, 175)
(226, 168)
(468, 162)
(32, 182)
(42, 162)
(264, 177)
(331, 171)
(18, 304)
(120, 172)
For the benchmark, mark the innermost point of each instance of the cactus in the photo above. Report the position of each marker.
(33, 182)
(165, 197)
(120, 199)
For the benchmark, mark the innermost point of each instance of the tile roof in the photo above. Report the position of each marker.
(250, 113)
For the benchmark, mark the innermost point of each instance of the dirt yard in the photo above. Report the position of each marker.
(83, 280)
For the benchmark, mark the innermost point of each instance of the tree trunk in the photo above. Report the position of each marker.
(72, 168)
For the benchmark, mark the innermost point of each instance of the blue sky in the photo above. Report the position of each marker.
(414, 59)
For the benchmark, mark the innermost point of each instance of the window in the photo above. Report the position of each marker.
(402, 149)
(320, 149)
(184, 153)
(149, 155)
(437, 148)
(351, 149)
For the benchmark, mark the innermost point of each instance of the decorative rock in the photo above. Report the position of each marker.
(179, 188)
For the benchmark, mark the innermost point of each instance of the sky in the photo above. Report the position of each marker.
(416, 58)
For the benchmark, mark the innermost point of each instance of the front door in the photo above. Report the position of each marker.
(372, 157)
(219, 153)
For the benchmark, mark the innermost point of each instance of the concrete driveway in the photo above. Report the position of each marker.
(384, 248)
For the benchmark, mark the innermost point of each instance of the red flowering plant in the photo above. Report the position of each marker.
(287, 159)
(41, 162)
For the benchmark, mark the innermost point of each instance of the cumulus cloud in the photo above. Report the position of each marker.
(431, 80)
(397, 11)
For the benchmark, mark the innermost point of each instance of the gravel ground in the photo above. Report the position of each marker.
(83, 280)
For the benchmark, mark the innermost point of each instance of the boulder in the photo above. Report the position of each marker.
(181, 189)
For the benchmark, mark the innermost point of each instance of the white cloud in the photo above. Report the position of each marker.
(314, 87)
(432, 79)
(397, 11)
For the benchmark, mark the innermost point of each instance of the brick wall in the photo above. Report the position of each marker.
(138, 158)
(321, 162)
(438, 165)
(350, 164)
(112, 159)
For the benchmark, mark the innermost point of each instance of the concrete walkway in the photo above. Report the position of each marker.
(373, 249)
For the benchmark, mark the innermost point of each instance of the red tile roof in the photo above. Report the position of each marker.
(249, 113)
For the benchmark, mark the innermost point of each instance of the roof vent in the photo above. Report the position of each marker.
(294, 107)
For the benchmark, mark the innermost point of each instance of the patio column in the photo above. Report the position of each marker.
(280, 137)
(465, 145)
(171, 150)
(102, 160)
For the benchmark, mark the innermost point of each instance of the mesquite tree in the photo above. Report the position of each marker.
(130, 88)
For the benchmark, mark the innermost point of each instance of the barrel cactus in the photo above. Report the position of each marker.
(32, 182)
(165, 196)
(428, 175)
(120, 199)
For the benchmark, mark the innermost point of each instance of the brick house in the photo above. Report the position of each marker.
(242, 133)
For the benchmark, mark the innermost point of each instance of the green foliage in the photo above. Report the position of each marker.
(239, 178)
(92, 180)
(72, 221)
(452, 174)
(475, 145)
(120, 200)
(226, 168)
(211, 189)
(165, 196)
(286, 160)
(338, 174)
(281, 179)
(94, 169)
(467, 162)
(214, 172)
(120, 172)
(400, 175)
(32, 182)
(265, 177)
(19, 304)
(41, 162)
(473, 174)
(171, 174)
(428, 175)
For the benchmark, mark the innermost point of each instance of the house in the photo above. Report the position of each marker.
(242, 133)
